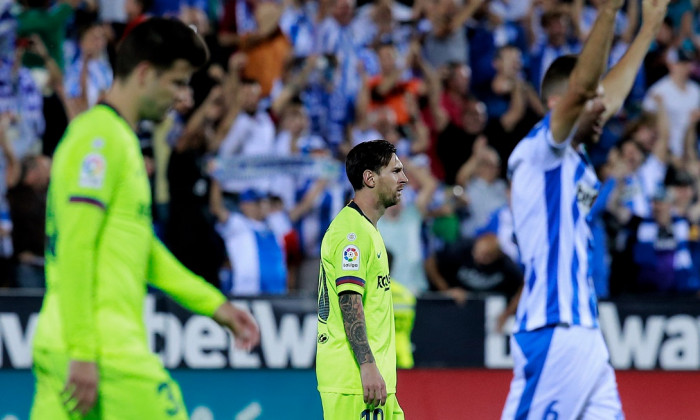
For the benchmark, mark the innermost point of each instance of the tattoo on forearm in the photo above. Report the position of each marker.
(355, 328)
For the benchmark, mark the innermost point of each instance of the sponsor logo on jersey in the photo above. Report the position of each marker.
(322, 338)
(351, 258)
(92, 171)
(352, 236)
(585, 196)
(384, 282)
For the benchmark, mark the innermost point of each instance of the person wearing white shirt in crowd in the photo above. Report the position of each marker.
(680, 97)
(252, 133)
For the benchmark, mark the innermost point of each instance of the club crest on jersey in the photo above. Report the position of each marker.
(585, 197)
(351, 258)
(92, 171)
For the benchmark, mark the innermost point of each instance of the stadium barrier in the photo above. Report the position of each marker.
(650, 341)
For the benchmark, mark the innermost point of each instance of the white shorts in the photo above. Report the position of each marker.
(562, 373)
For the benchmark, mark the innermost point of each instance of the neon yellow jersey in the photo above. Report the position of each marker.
(101, 249)
(353, 258)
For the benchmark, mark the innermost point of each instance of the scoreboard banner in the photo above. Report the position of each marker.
(642, 334)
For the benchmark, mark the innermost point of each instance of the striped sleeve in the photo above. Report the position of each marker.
(350, 284)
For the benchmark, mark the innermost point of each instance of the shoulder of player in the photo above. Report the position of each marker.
(99, 130)
(348, 228)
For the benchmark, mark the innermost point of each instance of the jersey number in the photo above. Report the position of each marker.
(172, 407)
(550, 413)
(376, 414)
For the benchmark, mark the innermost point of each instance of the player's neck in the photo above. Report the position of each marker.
(369, 205)
(125, 104)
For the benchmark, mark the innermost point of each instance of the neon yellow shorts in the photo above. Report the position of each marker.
(352, 407)
(153, 395)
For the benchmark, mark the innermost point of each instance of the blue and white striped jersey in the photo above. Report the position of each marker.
(552, 191)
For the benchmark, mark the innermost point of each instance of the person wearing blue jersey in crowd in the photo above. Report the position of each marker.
(561, 363)
(256, 254)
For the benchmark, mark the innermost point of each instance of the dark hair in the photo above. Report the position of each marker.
(631, 141)
(160, 42)
(84, 21)
(27, 164)
(146, 5)
(549, 17)
(557, 75)
(372, 155)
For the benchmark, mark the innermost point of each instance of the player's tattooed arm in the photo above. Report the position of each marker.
(355, 327)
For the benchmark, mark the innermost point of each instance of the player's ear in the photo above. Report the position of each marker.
(143, 73)
(368, 178)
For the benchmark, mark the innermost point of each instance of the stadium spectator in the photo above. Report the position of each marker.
(267, 48)
(659, 251)
(256, 255)
(346, 39)
(455, 91)
(21, 99)
(454, 145)
(512, 104)
(642, 173)
(28, 209)
(446, 42)
(237, 19)
(49, 22)
(559, 41)
(389, 88)
(248, 131)
(298, 23)
(501, 224)
(485, 191)
(680, 97)
(199, 247)
(490, 33)
(89, 75)
(479, 266)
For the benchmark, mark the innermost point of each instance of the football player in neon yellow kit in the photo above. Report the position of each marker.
(91, 354)
(356, 350)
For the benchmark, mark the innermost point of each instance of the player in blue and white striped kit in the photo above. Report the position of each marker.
(562, 368)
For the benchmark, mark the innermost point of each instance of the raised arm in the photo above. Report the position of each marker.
(373, 385)
(585, 78)
(663, 131)
(619, 80)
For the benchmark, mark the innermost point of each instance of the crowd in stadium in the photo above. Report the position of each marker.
(453, 85)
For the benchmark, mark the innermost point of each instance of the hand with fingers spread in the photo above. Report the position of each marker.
(373, 385)
(80, 391)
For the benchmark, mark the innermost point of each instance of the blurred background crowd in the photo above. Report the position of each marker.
(247, 168)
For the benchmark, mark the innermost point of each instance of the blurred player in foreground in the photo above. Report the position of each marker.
(356, 349)
(91, 354)
(561, 363)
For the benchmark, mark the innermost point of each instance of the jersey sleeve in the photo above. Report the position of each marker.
(189, 290)
(351, 259)
(83, 178)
